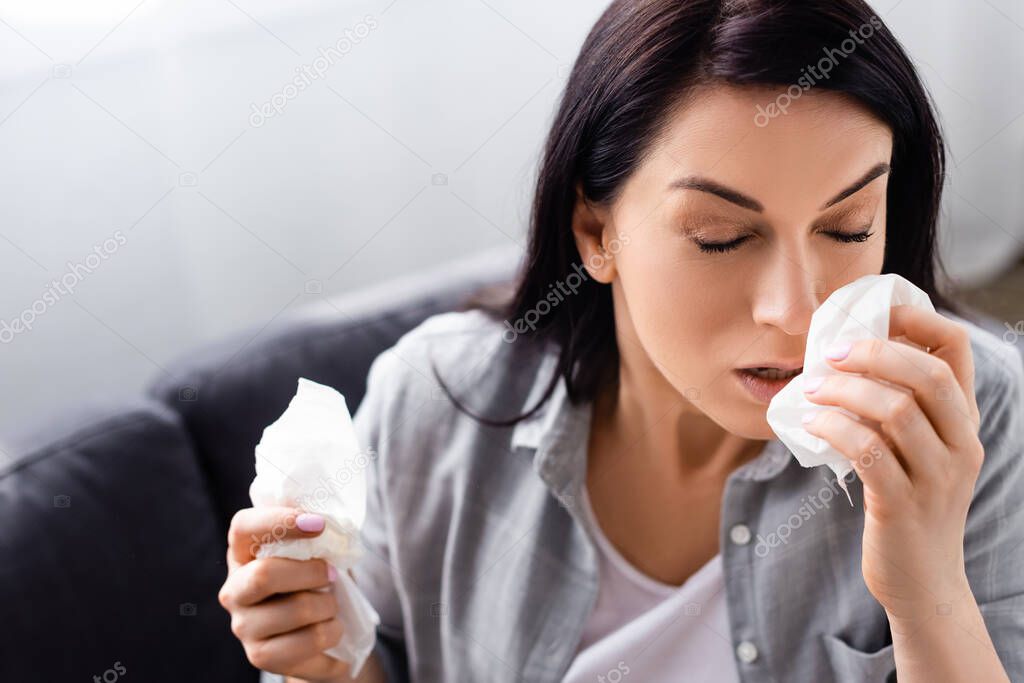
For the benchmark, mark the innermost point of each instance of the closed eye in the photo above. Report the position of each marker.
(838, 235)
(720, 247)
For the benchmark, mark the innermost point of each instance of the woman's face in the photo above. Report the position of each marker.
(731, 233)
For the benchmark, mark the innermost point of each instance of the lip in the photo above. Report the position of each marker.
(763, 390)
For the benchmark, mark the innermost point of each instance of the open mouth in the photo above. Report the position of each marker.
(764, 383)
(773, 373)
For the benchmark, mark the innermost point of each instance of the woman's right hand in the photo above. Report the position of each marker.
(283, 621)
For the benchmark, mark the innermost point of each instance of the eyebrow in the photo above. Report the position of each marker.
(730, 195)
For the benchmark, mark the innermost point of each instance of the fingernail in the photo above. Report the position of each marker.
(813, 384)
(309, 522)
(332, 573)
(838, 352)
(807, 417)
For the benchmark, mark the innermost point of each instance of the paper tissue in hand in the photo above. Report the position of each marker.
(310, 458)
(858, 310)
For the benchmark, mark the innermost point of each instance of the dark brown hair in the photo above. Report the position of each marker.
(640, 60)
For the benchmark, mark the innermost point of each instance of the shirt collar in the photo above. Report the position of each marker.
(528, 432)
(557, 434)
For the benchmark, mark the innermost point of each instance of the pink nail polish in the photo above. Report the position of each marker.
(813, 384)
(332, 573)
(838, 352)
(309, 522)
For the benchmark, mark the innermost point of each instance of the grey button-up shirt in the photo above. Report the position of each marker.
(483, 568)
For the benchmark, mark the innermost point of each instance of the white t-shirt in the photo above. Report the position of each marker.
(644, 630)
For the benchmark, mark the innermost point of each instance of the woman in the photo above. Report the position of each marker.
(596, 494)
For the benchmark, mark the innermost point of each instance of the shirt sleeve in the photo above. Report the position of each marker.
(375, 573)
(994, 534)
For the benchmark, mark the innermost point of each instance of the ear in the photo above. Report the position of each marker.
(590, 225)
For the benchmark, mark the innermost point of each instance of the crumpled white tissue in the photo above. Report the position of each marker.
(858, 310)
(310, 458)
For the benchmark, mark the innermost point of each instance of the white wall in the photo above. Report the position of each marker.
(335, 192)
(133, 122)
(971, 55)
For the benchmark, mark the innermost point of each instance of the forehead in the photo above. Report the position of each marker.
(796, 160)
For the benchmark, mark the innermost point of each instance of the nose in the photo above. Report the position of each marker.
(789, 289)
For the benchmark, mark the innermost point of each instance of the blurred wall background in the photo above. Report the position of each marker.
(176, 171)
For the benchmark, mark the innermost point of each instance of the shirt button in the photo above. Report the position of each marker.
(746, 651)
(740, 534)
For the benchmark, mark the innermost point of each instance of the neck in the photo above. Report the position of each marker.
(647, 417)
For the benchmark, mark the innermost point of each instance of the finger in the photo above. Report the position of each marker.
(872, 459)
(947, 340)
(252, 527)
(283, 614)
(256, 581)
(286, 652)
(930, 378)
(897, 413)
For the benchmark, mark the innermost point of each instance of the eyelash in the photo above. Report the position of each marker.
(722, 247)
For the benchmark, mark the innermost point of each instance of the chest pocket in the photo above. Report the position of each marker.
(850, 665)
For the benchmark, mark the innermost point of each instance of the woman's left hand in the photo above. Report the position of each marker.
(918, 458)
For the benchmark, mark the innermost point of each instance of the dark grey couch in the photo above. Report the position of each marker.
(115, 518)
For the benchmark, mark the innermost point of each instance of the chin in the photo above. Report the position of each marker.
(748, 422)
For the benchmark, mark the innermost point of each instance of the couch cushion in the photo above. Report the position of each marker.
(110, 562)
(227, 393)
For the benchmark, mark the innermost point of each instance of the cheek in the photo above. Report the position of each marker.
(684, 308)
